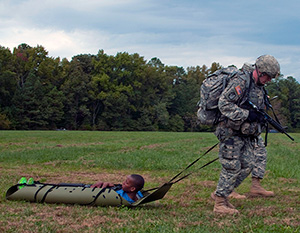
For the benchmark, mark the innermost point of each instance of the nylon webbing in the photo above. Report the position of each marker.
(191, 164)
(36, 193)
(45, 195)
(99, 193)
(174, 182)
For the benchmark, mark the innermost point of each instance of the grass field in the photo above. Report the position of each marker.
(87, 157)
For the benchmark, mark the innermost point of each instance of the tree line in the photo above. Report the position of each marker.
(105, 92)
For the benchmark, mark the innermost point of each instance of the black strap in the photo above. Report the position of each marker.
(191, 164)
(45, 195)
(174, 182)
(98, 194)
(268, 106)
(36, 193)
(276, 118)
(266, 135)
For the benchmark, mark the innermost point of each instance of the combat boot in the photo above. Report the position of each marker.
(257, 190)
(213, 196)
(236, 195)
(221, 206)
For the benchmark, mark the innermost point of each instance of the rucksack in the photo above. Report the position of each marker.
(210, 91)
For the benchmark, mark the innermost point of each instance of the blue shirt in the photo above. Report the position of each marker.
(126, 197)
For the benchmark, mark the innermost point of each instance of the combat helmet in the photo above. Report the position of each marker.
(269, 65)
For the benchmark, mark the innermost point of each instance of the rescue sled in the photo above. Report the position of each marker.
(79, 194)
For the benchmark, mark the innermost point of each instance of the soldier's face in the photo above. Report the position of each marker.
(263, 79)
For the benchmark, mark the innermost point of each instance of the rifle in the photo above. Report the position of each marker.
(270, 120)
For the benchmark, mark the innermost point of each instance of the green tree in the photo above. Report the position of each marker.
(7, 82)
(197, 73)
(21, 60)
(53, 106)
(76, 93)
(35, 77)
(186, 89)
(288, 103)
(35, 107)
(155, 97)
(95, 98)
(116, 79)
(214, 67)
(28, 104)
(4, 122)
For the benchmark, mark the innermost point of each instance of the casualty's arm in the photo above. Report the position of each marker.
(101, 184)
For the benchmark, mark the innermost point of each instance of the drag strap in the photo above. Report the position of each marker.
(191, 164)
(174, 182)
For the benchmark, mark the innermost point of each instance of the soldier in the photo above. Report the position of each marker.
(239, 130)
(260, 161)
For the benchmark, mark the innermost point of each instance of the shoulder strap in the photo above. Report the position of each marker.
(225, 80)
(249, 82)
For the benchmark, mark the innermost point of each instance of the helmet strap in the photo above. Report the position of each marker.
(259, 75)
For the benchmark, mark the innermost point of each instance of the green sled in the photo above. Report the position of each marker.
(78, 194)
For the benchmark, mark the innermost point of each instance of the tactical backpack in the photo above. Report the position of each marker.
(210, 91)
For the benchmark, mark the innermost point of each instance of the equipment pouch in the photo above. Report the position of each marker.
(251, 129)
(229, 149)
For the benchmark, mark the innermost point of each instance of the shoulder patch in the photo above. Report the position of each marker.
(231, 96)
(238, 90)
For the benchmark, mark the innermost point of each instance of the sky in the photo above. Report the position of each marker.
(180, 33)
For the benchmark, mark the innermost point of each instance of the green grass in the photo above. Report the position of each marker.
(82, 156)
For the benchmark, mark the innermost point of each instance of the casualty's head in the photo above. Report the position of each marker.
(266, 68)
(133, 183)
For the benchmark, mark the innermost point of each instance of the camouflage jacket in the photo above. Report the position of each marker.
(234, 115)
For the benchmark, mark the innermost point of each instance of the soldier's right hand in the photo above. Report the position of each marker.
(254, 116)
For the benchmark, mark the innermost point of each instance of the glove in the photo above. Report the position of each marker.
(254, 116)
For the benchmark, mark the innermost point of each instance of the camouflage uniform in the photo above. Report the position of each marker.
(240, 140)
(260, 159)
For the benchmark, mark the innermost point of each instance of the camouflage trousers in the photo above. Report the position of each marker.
(236, 155)
(260, 153)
